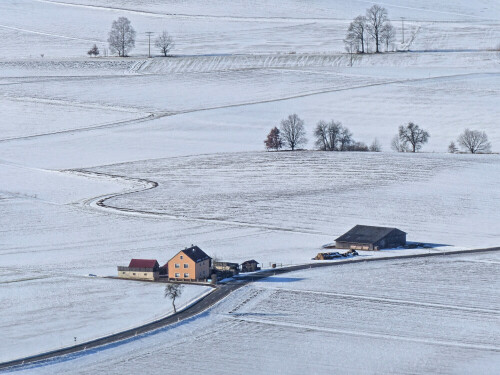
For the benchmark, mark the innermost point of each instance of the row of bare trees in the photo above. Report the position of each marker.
(329, 136)
(375, 25)
(333, 136)
(121, 39)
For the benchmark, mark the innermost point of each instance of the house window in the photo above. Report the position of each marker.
(133, 274)
(182, 256)
(186, 265)
(186, 275)
(145, 274)
(177, 265)
(177, 275)
(123, 272)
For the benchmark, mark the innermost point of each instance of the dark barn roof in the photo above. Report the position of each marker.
(250, 261)
(196, 254)
(365, 234)
(143, 263)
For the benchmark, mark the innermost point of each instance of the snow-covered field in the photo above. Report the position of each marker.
(415, 316)
(195, 123)
(326, 193)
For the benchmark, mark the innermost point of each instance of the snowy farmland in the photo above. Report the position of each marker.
(76, 130)
(403, 317)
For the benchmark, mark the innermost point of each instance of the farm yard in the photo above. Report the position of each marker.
(107, 159)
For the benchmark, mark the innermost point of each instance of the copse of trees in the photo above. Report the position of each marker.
(333, 136)
(122, 36)
(329, 136)
(375, 25)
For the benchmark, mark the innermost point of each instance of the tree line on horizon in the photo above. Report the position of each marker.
(333, 136)
(122, 36)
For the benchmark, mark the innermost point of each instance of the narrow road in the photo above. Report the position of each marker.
(208, 301)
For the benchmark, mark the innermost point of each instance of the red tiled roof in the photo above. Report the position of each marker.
(143, 263)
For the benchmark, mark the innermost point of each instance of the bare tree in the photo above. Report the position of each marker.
(398, 145)
(94, 51)
(351, 47)
(273, 140)
(164, 43)
(415, 136)
(375, 146)
(376, 17)
(334, 129)
(293, 132)
(122, 36)
(387, 35)
(321, 134)
(345, 139)
(357, 32)
(474, 141)
(452, 148)
(173, 291)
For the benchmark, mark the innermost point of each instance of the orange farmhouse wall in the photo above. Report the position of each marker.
(195, 270)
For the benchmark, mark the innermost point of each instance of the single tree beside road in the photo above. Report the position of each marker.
(173, 291)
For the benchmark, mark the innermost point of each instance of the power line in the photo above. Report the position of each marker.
(149, 33)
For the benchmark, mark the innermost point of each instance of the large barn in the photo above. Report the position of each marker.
(364, 237)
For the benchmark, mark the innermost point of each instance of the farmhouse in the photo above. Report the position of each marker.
(140, 269)
(189, 264)
(250, 266)
(363, 237)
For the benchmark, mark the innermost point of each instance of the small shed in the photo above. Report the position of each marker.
(233, 268)
(364, 237)
(250, 266)
(140, 269)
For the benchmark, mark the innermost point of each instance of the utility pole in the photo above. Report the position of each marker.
(403, 27)
(149, 33)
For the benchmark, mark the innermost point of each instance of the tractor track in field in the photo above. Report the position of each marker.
(195, 310)
(141, 185)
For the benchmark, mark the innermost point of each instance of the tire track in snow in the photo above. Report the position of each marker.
(451, 344)
(89, 128)
(391, 301)
(28, 31)
(194, 16)
(141, 185)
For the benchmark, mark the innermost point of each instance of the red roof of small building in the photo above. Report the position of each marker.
(143, 263)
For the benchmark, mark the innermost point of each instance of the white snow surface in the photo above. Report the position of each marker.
(75, 130)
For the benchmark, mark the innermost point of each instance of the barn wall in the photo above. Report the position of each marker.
(394, 239)
(138, 275)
